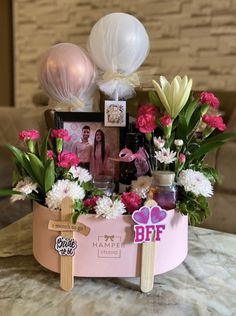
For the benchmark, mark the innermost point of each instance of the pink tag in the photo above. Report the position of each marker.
(147, 219)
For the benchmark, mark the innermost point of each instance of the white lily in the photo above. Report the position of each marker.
(173, 95)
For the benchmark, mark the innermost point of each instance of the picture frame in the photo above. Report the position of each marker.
(103, 142)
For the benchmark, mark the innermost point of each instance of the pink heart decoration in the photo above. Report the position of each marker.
(157, 214)
(141, 216)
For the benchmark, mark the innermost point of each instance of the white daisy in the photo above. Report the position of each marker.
(165, 155)
(62, 189)
(81, 173)
(141, 186)
(158, 142)
(25, 186)
(109, 209)
(195, 182)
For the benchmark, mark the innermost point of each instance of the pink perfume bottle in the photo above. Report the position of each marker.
(163, 189)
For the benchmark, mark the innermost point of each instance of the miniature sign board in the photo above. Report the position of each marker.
(115, 113)
(65, 246)
(67, 226)
(147, 219)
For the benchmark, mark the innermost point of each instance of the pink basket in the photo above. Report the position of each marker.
(109, 251)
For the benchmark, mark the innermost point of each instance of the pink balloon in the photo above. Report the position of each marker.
(66, 73)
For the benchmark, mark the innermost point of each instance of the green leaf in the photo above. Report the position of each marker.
(153, 98)
(7, 192)
(220, 137)
(49, 175)
(181, 129)
(87, 186)
(204, 149)
(16, 176)
(17, 153)
(27, 167)
(189, 110)
(37, 168)
(212, 174)
(196, 207)
(74, 217)
(170, 140)
(195, 119)
(44, 148)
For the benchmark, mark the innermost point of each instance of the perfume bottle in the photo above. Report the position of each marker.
(128, 171)
(163, 189)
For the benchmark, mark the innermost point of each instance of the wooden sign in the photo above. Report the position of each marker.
(147, 231)
(65, 226)
(66, 244)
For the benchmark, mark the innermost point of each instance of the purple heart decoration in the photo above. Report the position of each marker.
(141, 216)
(157, 214)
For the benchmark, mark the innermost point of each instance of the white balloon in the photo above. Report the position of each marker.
(118, 42)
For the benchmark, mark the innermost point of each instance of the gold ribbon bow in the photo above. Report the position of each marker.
(133, 78)
(60, 106)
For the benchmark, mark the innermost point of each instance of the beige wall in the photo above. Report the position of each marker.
(194, 37)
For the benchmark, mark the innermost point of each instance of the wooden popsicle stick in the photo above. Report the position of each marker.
(147, 260)
(67, 262)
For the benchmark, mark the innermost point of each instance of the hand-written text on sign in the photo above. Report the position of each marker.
(65, 246)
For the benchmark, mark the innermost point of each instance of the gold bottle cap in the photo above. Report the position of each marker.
(164, 178)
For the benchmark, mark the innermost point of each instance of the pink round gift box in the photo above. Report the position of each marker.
(108, 250)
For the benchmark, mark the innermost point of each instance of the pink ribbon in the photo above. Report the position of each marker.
(140, 159)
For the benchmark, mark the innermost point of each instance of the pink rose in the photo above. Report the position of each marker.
(131, 200)
(146, 123)
(67, 159)
(214, 121)
(61, 133)
(91, 202)
(29, 135)
(147, 109)
(50, 154)
(166, 120)
(182, 158)
(209, 98)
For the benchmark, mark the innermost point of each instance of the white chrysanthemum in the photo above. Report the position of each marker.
(195, 182)
(158, 142)
(109, 209)
(25, 186)
(141, 186)
(165, 155)
(62, 189)
(81, 173)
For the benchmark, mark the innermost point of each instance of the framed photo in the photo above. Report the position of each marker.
(92, 141)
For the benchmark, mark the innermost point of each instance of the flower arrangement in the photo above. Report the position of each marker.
(180, 129)
(46, 173)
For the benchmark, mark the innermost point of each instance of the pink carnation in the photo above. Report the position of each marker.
(166, 120)
(214, 121)
(50, 154)
(67, 159)
(61, 133)
(131, 200)
(29, 135)
(146, 123)
(182, 158)
(209, 98)
(91, 202)
(147, 109)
